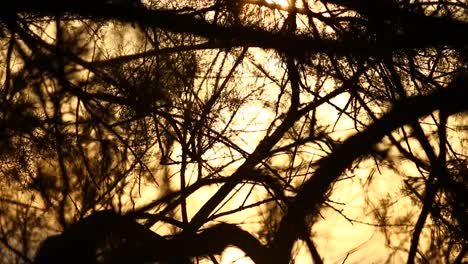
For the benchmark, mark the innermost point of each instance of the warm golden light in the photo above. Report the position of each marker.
(285, 131)
(278, 2)
(234, 255)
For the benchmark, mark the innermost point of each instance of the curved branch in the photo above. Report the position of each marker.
(215, 239)
(138, 244)
(313, 193)
(81, 242)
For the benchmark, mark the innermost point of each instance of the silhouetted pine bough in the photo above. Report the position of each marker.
(102, 100)
(106, 237)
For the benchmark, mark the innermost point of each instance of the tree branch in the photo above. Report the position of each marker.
(415, 31)
(312, 195)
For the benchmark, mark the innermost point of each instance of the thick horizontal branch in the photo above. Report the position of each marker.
(416, 32)
(402, 27)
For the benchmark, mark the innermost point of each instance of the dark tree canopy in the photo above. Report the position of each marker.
(146, 131)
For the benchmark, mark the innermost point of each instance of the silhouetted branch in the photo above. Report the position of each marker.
(17, 252)
(313, 193)
(215, 239)
(237, 36)
(117, 238)
(131, 242)
(68, 97)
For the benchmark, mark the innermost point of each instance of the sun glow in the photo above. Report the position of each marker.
(278, 2)
(233, 255)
